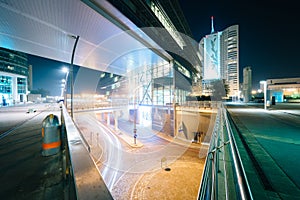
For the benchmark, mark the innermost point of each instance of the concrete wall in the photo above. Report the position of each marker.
(190, 122)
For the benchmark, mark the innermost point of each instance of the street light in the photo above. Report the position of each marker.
(62, 86)
(265, 93)
(71, 71)
(65, 81)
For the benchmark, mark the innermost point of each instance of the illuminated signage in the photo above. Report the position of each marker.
(212, 57)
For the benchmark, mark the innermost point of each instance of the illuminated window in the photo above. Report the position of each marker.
(10, 67)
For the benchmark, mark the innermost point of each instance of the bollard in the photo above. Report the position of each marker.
(50, 135)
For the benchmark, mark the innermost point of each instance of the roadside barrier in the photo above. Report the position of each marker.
(51, 135)
(220, 178)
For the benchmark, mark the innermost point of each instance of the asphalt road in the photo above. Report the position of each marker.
(273, 137)
(24, 172)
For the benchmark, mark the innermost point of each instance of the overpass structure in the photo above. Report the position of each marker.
(253, 153)
(115, 36)
(147, 43)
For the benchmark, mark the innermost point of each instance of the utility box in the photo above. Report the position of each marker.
(51, 140)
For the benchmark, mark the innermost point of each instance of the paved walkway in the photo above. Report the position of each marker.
(177, 180)
(125, 132)
(269, 143)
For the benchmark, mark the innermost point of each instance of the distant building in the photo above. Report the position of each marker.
(247, 83)
(221, 58)
(36, 98)
(13, 77)
(284, 89)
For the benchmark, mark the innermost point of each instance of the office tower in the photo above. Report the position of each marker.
(221, 58)
(247, 83)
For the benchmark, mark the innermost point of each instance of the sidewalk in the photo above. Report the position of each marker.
(179, 179)
(290, 108)
(126, 134)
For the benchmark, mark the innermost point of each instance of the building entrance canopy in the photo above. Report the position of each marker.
(47, 28)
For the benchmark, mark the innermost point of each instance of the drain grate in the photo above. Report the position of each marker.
(167, 169)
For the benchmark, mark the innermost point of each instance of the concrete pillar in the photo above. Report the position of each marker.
(15, 97)
(108, 119)
(116, 119)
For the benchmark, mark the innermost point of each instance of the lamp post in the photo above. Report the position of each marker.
(265, 93)
(65, 81)
(62, 88)
(71, 72)
(135, 109)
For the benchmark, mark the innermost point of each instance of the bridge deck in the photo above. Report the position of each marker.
(28, 174)
(24, 172)
(269, 143)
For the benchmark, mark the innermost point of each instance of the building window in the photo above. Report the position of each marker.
(5, 84)
(21, 85)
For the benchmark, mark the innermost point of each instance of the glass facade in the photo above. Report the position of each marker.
(151, 85)
(154, 90)
(221, 59)
(154, 85)
(13, 62)
(21, 85)
(230, 58)
(5, 85)
(13, 76)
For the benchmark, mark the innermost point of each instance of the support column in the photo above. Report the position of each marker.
(116, 120)
(15, 97)
(108, 119)
(175, 128)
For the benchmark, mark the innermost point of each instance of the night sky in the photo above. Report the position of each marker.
(269, 32)
(47, 74)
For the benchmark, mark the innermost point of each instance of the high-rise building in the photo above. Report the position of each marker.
(230, 58)
(247, 83)
(13, 77)
(221, 58)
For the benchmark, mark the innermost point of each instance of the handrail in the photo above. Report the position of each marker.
(85, 176)
(211, 182)
(242, 180)
(207, 188)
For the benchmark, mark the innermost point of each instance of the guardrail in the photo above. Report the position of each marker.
(83, 179)
(201, 104)
(223, 176)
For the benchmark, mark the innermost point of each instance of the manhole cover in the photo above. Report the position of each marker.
(167, 169)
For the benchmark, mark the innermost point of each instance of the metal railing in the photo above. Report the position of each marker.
(82, 177)
(224, 176)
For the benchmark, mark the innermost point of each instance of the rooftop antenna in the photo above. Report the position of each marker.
(212, 24)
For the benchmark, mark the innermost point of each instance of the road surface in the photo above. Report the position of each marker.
(271, 139)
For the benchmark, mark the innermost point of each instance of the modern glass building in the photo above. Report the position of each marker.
(230, 58)
(153, 90)
(14, 72)
(221, 59)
